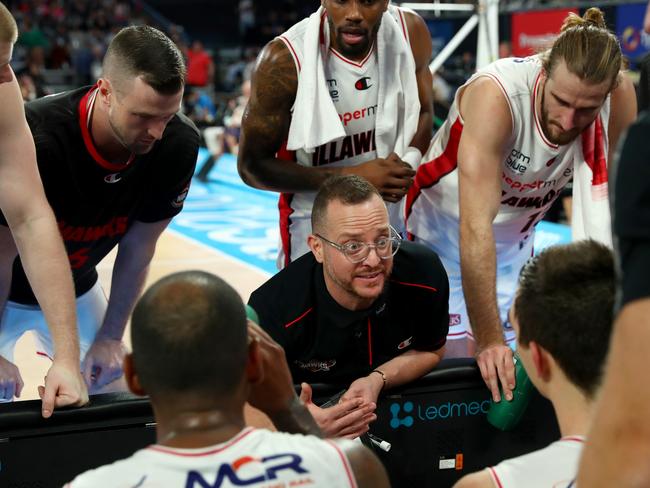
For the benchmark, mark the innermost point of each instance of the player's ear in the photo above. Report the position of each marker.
(104, 89)
(316, 246)
(541, 360)
(254, 370)
(131, 377)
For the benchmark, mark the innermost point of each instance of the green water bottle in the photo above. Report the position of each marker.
(251, 314)
(505, 415)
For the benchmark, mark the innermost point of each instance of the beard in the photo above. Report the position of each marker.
(358, 49)
(559, 136)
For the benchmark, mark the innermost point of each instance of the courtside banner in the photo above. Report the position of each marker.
(535, 31)
(629, 29)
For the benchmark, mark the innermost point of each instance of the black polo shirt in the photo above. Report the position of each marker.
(326, 343)
(632, 211)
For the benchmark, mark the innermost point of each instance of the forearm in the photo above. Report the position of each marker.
(296, 419)
(409, 366)
(621, 416)
(478, 271)
(128, 279)
(285, 176)
(48, 270)
(422, 137)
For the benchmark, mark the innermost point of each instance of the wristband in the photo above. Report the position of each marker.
(412, 156)
(383, 377)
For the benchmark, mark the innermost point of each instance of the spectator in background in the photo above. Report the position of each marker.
(200, 68)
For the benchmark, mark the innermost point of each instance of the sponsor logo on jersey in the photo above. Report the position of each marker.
(517, 162)
(346, 148)
(362, 113)
(178, 201)
(363, 83)
(314, 365)
(248, 470)
(405, 343)
(526, 186)
(334, 92)
(113, 178)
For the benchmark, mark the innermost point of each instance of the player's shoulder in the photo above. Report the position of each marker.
(123, 472)
(294, 281)
(418, 264)
(181, 128)
(54, 112)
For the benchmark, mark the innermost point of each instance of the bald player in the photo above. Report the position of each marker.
(517, 132)
(198, 401)
(33, 232)
(351, 64)
(116, 160)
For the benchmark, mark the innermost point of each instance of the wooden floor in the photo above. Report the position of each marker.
(174, 253)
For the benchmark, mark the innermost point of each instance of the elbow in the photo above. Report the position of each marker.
(245, 173)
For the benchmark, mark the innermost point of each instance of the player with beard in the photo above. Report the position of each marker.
(351, 84)
(116, 160)
(517, 132)
(362, 308)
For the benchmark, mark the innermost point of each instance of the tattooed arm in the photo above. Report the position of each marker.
(265, 127)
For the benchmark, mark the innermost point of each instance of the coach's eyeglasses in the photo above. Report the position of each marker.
(356, 251)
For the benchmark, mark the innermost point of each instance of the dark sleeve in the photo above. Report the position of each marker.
(428, 297)
(632, 212)
(173, 168)
(262, 300)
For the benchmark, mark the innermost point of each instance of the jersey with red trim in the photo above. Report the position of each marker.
(555, 466)
(533, 170)
(96, 202)
(353, 87)
(254, 458)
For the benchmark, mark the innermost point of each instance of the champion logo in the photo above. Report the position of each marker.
(363, 83)
(113, 178)
(405, 343)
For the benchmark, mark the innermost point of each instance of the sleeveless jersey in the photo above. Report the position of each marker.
(253, 458)
(533, 171)
(555, 466)
(353, 87)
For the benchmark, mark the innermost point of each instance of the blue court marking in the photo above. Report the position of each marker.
(241, 221)
(230, 216)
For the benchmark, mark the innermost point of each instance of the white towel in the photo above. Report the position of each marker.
(591, 214)
(315, 122)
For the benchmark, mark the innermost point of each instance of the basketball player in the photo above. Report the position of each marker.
(562, 315)
(37, 238)
(198, 401)
(351, 72)
(116, 161)
(501, 158)
(619, 443)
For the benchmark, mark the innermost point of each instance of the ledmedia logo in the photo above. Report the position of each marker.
(431, 412)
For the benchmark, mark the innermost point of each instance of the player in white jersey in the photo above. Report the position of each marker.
(563, 316)
(351, 72)
(193, 356)
(514, 135)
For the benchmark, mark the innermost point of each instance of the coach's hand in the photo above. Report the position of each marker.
(64, 386)
(497, 365)
(11, 383)
(349, 418)
(103, 362)
(391, 176)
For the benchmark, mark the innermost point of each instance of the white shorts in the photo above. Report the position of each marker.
(18, 319)
(507, 279)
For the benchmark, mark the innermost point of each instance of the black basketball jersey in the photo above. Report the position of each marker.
(96, 202)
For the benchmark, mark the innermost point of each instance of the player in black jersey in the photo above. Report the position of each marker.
(35, 233)
(116, 161)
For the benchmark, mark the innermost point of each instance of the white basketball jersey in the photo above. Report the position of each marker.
(533, 172)
(253, 458)
(555, 466)
(353, 87)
